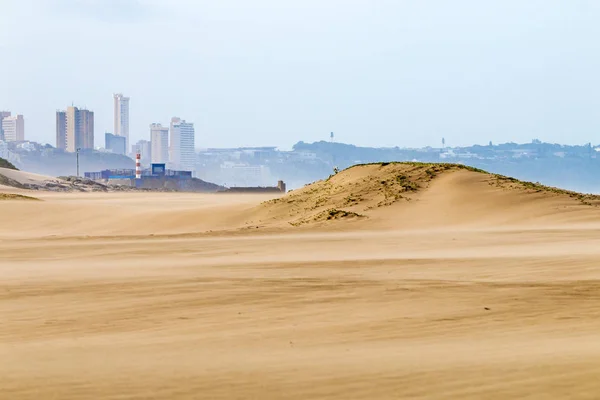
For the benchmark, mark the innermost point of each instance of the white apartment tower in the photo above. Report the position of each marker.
(159, 143)
(121, 119)
(182, 154)
(13, 128)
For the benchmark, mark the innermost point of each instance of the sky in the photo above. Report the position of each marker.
(377, 73)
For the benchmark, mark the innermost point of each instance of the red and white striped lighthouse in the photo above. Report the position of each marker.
(138, 166)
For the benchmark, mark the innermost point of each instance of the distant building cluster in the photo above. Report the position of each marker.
(173, 145)
(75, 128)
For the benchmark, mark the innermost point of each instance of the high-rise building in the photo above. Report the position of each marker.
(144, 148)
(121, 117)
(87, 123)
(3, 114)
(79, 129)
(182, 154)
(159, 137)
(13, 128)
(61, 130)
(114, 144)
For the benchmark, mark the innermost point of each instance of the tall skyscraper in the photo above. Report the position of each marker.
(61, 130)
(159, 137)
(79, 129)
(121, 117)
(182, 154)
(115, 144)
(13, 128)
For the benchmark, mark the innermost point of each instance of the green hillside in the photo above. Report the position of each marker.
(6, 164)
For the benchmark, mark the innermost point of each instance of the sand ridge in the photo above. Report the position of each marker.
(24, 178)
(420, 194)
(373, 197)
(473, 288)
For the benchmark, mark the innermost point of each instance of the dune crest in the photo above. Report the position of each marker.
(384, 191)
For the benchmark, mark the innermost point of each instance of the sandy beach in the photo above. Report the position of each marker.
(467, 290)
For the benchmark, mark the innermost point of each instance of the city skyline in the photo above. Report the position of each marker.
(75, 129)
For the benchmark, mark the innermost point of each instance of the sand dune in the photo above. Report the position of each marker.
(28, 178)
(417, 195)
(447, 284)
(371, 197)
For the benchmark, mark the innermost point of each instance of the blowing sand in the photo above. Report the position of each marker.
(466, 291)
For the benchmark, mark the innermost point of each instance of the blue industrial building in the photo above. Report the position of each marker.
(155, 177)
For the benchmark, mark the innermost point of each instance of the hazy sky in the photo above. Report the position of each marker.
(272, 72)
